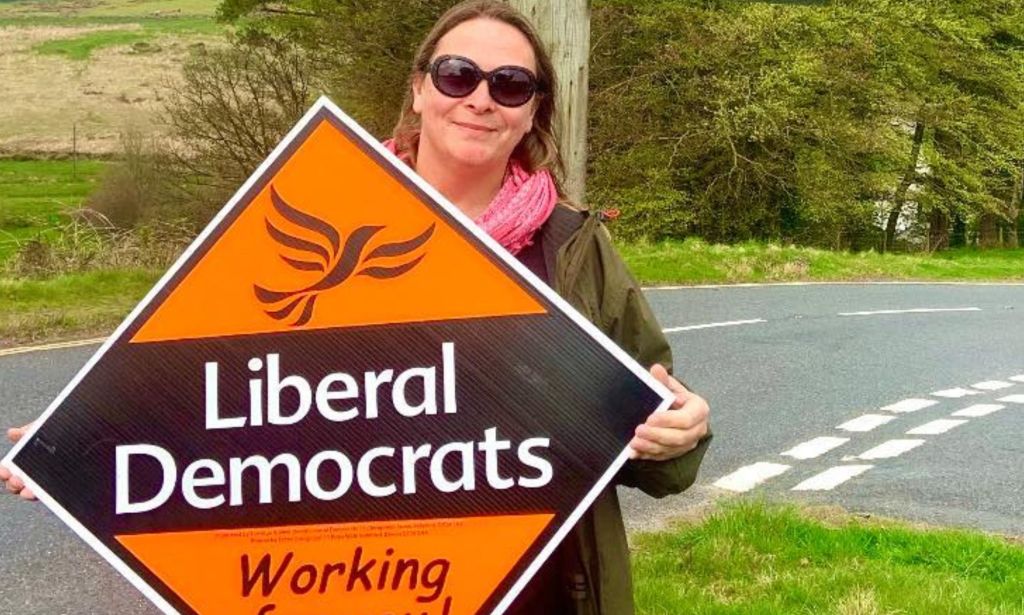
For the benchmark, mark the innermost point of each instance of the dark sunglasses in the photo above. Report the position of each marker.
(509, 86)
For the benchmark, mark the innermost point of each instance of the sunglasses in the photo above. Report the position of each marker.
(509, 86)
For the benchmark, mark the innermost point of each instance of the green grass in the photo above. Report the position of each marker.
(70, 305)
(753, 558)
(36, 194)
(694, 261)
(81, 47)
(96, 10)
(142, 21)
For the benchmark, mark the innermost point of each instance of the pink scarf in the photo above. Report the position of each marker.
(522, 205)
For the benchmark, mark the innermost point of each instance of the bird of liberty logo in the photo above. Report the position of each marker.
(323, 248)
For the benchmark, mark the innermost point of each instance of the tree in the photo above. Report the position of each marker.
(564, 27)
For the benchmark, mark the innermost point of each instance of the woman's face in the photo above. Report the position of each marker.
(474, 130)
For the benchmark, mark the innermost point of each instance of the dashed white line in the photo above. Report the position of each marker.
(831, 478)
(1013, 399)
(978, 410)
(866, 422)
(713, 325)
(911, 311)
(992, 385)
(955, 393)
(890, 449)
(815, 448)
(910, 405)
(935, 427)
(748, 477)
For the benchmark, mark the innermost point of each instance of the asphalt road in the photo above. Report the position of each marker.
(797, 364)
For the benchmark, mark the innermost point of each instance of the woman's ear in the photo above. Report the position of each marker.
(417, 93)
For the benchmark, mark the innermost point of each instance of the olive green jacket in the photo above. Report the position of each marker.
(588, 272)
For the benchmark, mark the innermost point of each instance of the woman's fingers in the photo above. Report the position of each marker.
(645, 449)
(676, 431)
(694, 413)
(669, 437)
(14, 484)
(17, 433)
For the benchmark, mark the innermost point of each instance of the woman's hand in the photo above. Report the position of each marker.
(676, 431)
(15, 484)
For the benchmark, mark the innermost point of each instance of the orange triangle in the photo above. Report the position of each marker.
(363, 250)
(433, 567)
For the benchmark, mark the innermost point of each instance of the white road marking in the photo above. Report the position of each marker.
(866, 422)
(748, 477)
(890, 449)
(1013, 399)
(815, 448)
(911, 311)
(935, 427)
(712, 325)
(910, 405)
(831, 478)
(1018, 378)
(54, 346)
(955, 393)
(978, 410)
(992, 385)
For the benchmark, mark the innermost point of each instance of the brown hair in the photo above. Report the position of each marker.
(539, 148)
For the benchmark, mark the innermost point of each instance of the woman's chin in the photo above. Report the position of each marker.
(477, 156)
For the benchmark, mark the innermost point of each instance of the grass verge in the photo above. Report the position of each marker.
(695, 262)
(752, 557)
(70, 305)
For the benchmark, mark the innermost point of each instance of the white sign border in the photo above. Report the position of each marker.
(324, 104)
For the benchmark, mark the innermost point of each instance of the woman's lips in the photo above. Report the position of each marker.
(474, 127)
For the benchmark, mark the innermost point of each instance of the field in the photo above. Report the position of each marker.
(77, 73)
(37, 195)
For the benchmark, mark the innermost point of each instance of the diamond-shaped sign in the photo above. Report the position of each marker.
(343, 398)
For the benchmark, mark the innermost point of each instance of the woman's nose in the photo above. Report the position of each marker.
(480, 98)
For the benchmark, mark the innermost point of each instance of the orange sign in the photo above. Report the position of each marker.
(389, 567)
(343, 398)
(332, 240)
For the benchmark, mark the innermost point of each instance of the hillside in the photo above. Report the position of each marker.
(78, 72)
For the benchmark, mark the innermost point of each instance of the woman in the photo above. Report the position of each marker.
(477, 125)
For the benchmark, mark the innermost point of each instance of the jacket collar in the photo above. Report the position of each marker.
(562, 224)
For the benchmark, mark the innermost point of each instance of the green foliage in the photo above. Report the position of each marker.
(782, 121)
(735, 120)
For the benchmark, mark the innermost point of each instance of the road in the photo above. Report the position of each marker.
(794, 375)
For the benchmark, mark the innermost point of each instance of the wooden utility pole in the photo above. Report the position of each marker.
(564, 26)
